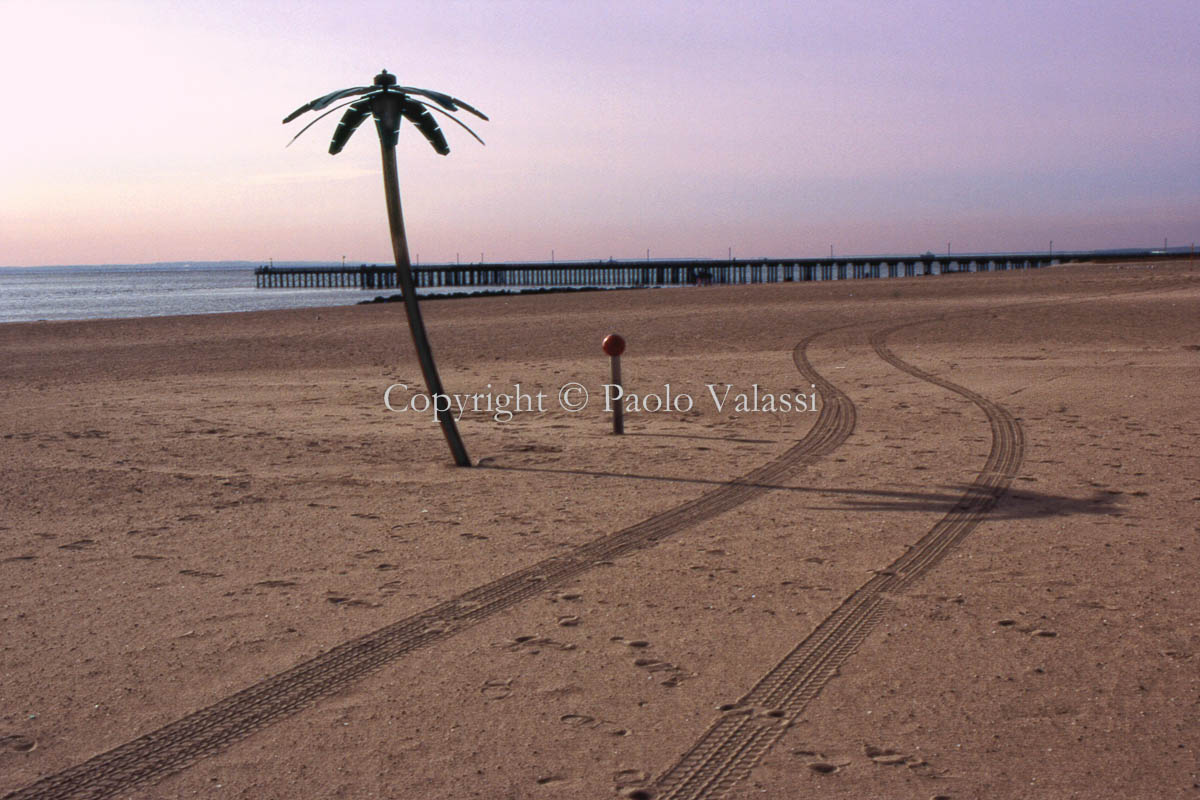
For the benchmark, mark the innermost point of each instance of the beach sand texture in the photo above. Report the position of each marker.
(228, 570)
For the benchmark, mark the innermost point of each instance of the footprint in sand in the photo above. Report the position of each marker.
(672, 674)
(820, 763)
(586, 722)
(17, 743)
(391, 587)
(630, 777)
(374, 551)
(635, 643)
(891, 758)
(349, 602)
(201, 573)
(884, 756)
(532, 644)
(496, 689)
(197, 573)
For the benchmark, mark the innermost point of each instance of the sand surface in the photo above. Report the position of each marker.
(972, 573)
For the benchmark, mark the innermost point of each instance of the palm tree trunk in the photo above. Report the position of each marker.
(433, 384)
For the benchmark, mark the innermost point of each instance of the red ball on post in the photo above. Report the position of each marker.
(614, 345)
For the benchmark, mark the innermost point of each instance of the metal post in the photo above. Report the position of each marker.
(433, 383)
(614, 346)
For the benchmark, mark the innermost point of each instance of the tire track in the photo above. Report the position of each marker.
(747, 730)
(213, 729)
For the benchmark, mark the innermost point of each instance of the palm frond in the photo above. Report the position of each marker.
(354, 116)
(444, 100)
(418, 114)
(459, 123)
(318, 119)
(325, 100)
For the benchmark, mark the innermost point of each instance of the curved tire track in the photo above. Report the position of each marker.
(214, 728)
(739, 739)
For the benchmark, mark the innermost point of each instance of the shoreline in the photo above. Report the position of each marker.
(399, 298)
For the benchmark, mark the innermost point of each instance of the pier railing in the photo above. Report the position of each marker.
(655, 273)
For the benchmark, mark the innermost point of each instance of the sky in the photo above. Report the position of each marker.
(151, 131)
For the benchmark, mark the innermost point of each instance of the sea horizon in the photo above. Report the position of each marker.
(74, 292)
(252, 263)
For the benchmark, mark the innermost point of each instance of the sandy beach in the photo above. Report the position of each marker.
(229, 570)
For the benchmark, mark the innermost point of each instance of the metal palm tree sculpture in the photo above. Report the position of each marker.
(389, 104)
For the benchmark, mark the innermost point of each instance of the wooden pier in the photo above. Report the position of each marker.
(653, 273)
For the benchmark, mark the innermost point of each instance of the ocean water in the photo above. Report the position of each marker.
(149, 290)
(30, 294)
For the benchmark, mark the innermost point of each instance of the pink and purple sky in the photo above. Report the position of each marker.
(150, 131)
